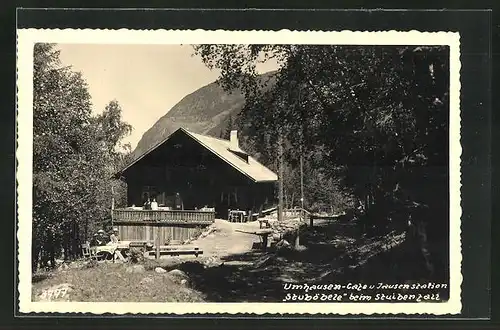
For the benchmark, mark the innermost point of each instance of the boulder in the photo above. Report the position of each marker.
(146, 281)
(160, 270)
(178, 273)
(135, 269)
(184, 282)
(212, 262)
(209, 231)
(264, 262)
(283, 244)
(77, 264)
(64, 266)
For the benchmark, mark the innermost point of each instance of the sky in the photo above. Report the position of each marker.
(146, 80)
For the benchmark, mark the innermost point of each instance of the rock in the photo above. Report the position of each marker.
(208, 232)
(64, 266)
(212, 262)
(263, 262)
(178, 273)
(300, 248)
(59, 292)
(160, 270)
(135, 269)
(283, 244)
(146, 281)
(77, 264)
(184, 282)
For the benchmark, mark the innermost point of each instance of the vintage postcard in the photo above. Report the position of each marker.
(238, 172)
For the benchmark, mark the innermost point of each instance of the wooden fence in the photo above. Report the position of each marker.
(165, 225)
(164, 216)
(151, 232)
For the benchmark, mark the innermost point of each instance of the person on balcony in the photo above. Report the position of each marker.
(154, 204)
(178, 204)
(147, 205)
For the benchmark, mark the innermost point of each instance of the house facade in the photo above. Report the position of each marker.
(203, 172)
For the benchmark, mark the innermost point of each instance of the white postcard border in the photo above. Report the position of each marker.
(26, 39)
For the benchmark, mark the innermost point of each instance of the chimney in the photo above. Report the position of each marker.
(233, 140)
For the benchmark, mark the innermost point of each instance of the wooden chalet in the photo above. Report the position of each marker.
(194, 179)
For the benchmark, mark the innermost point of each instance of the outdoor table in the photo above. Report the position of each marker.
(264, 223)
(237, 216)
(262, 233)
(114, 249)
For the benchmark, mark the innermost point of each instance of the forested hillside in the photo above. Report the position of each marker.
(207, 110)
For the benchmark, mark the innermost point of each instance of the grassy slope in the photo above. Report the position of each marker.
(333, 253)
(111, 283)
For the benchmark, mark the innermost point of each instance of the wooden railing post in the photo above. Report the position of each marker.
(162, 216)
(157, 241)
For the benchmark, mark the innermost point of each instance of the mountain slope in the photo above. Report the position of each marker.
(205, 111)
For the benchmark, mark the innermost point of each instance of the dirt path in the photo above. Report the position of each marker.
(225, 240)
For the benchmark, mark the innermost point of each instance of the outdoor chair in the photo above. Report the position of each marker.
(88, 252)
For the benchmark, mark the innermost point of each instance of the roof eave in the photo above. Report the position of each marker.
(266, 181)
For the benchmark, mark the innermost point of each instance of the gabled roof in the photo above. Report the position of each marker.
(221, 148)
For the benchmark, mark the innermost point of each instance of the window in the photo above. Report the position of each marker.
(148, 192)
(241, 155)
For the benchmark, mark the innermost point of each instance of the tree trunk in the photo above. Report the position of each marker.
(297, 239)
(86, 232)
(280, 177)
(51, 252)
(35, 256)
(67, 245)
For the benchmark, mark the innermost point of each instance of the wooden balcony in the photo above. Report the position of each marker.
(174, 217)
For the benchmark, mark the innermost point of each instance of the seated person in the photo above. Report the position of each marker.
(113, 238)
(94, 240)
(101, 238)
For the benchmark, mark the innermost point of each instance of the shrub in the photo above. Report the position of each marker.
(136, 255)
(197, 232)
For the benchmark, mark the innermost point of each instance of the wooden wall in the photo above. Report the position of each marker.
(182, 165)
(148, 232)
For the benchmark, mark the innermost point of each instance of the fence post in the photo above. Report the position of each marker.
(157, 241)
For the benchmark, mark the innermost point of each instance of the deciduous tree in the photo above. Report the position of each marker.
(372, 120)
(73, 158)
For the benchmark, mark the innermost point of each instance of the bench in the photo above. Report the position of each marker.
(173, 250)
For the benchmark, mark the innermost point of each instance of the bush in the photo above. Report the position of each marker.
(136, 255)
(197, 232)
(91, 263)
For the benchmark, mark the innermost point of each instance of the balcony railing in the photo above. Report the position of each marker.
(194, 217)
